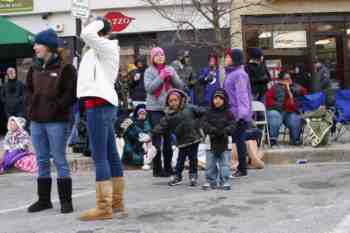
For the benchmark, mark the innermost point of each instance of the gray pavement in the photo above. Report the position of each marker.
(310, 198)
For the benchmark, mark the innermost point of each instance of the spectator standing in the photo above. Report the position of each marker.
(208, 82)
(258, 74)
(137, 89)
(96, 81)
(218, 123)
(50, 95)
(184, 69)
(237, 86)
(182, 119)
(12, 94)
(322, 82)
(159, 79)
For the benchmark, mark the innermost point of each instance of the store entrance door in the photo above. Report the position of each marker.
(329, 48)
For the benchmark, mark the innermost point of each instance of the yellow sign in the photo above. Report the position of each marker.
(12, 6)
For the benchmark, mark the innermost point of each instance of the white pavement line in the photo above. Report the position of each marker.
(54, 201)
(343, 226)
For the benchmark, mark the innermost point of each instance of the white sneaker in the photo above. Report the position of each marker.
(146, 167)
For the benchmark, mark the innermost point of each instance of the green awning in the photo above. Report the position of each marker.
(13, 34)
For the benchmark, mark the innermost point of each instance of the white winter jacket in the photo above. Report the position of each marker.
(98, 69)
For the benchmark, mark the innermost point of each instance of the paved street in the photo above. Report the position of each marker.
(311, 198)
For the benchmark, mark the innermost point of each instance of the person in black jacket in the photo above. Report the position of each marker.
(182, 119)
(258, 74)
(12, 94)
(218, 123)
(137, 88)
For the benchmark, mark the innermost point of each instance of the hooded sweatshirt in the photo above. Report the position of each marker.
(218, 123)
(184, 122)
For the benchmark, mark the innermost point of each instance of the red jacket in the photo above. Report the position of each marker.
(277, 98)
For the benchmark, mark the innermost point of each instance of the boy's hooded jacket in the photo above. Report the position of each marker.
(184, 123)
(218, 123)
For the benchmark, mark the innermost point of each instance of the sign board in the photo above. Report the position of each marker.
(289, 39)
(118, 20)
(13, 6)
(80, 9)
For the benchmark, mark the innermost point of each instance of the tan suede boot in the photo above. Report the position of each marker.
(118, 196)
(103, 208)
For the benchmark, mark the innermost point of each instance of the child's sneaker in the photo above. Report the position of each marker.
(146, 167)
(208, 186)
(226, 187)
(193, 182)
(174, 181)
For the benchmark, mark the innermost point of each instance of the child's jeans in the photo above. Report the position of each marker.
(217, 166)
(192, 152)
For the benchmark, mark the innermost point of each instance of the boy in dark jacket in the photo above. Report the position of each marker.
(182, 120)
(218, 123)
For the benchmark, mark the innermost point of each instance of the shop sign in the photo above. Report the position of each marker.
(289, 39)
(12, 6)
(80, 9)
(274, 67)
(118, 20)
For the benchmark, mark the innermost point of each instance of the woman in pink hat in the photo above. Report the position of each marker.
(159, 79)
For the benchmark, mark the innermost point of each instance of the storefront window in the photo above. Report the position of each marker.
(284, 45)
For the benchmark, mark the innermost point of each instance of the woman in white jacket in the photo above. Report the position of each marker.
(97, 74)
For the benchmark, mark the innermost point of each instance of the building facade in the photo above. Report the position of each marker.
(297, 32)
(136, 25)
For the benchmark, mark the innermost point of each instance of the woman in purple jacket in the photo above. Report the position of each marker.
(237, 86)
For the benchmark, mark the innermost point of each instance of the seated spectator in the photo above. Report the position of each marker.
(16, 146)
(133, 128)
(282, 107)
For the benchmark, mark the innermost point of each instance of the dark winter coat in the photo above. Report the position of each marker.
(184, 123)
(259, 78)
(137, 87)
(12, 95)
(50, 91)
(218, 124)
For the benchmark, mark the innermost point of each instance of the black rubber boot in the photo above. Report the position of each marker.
(44, 193)
(64, 187)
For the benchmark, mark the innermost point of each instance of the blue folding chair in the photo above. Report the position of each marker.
(312, 102)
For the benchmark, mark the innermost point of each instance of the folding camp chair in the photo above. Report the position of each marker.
(259, 107)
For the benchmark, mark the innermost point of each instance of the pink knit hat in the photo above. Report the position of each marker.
(156, 51)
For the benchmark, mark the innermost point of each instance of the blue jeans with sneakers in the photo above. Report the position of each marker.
(217, 167)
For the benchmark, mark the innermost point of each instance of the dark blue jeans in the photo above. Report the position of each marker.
(239, 136)
(192, 153)
(49, 141)
(161, 145)
(100, 126)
